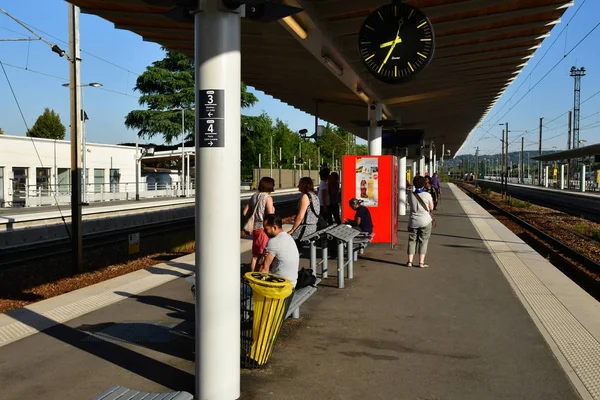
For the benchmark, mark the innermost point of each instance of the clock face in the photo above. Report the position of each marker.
(396, 42)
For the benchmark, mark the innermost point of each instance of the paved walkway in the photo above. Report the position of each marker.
(475, 325)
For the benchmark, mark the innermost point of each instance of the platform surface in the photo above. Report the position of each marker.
(490, 319)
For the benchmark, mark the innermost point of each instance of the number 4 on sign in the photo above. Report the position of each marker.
(211, 127)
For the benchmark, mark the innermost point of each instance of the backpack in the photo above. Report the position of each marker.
(305, 278)
(321, 222)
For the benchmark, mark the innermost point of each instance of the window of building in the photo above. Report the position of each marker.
(115, 178)
(1, 186)
(98, 180)
(63, 181)
(42, 181)
(19, 186)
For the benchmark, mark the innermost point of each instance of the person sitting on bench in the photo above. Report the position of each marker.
(281, 256)
(362, 219)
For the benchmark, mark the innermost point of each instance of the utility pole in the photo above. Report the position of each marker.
(540, 153)
(76, 138)
(577, 74)
(508, 161)
(476, 163)
(569, 148)
(280, 160)
(522, 166)
(502, 159)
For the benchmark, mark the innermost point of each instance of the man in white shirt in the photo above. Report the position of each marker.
(281, 255)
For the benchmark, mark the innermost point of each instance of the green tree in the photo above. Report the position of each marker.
(167, 85)
(1, 131)
(48, 126)
(255, 134)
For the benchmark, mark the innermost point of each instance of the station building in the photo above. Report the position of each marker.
(37, 172)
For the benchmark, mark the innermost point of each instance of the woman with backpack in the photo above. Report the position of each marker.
(307, 215)
(420, 222)
(261, 203)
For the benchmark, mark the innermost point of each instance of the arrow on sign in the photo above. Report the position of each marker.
(210, 114)
(210, 143)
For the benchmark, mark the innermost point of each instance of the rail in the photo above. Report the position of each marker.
(565, 249)
(12, 256)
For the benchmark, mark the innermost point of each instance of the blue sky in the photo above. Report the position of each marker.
(115, 58)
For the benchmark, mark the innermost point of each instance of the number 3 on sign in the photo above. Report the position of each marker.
(210, 96)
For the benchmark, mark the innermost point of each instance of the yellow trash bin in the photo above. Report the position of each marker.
(271, 295)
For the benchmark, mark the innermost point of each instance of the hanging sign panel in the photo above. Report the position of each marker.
(211, 129)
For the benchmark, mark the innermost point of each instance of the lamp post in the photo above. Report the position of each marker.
(83, 142)
(183, 178)
(138, 158)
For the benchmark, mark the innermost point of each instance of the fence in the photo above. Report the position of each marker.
(21, 195)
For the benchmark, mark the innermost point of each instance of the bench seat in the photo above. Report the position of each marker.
(299, 297)
(122, 393)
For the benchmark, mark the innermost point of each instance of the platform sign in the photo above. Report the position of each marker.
(134, 243)
(211, 128)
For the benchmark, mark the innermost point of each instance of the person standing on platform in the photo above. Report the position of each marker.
(324, 197)
(334, 197)
(431, 190)
(263, 202)
(437, 186)
(420, 222)
(307, 214)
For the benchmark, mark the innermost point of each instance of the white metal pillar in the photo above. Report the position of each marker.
(375, 115)
(546, 176)
(402, 183)
(413, 172)
(422, 165)
(562, 176)
(188, 185)
(435, 167)
(76, 138)
(582, 177)
(218, 77)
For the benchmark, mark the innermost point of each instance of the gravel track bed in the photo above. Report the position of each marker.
(576, 232)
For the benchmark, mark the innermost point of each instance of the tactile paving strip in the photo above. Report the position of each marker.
(35, 323)
(577, 344)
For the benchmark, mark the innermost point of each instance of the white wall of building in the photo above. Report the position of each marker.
(22, 152)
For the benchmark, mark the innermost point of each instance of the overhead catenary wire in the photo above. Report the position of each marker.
(540, 80)
(541, 59)
(53, 46)
(34, 145)
(66, 80)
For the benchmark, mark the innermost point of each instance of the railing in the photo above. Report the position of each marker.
(46, 195)
(575, 184)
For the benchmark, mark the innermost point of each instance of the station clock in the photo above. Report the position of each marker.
(396, 42)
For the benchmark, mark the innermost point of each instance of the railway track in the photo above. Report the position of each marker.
(584, 206)
(21, 255)
(580, 268)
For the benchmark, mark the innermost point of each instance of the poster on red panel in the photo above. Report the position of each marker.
(367, 181)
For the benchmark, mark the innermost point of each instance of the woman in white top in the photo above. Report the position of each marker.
(264, 205)
(420, 222)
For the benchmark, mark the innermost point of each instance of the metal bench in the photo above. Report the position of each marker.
(300, 296)
(361, 242)
(344, 236)
(312, 240)
(122, 393)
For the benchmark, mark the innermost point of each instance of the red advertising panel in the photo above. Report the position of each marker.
(373, 179)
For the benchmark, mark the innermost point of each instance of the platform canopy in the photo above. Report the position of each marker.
(481, 46)
(581, 152)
